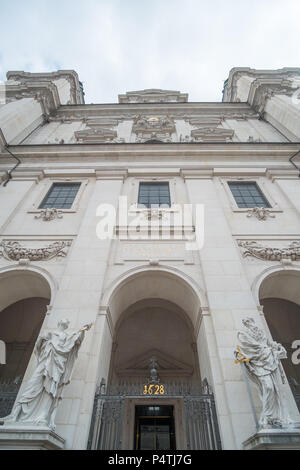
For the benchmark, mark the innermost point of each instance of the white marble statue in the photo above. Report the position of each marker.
(56, 353)
(262, 361)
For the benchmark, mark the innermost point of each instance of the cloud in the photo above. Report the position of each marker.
(122, 45)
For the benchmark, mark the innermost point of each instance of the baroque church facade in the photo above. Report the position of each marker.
(162, 224)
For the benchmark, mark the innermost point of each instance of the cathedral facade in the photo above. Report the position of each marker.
(161, 224)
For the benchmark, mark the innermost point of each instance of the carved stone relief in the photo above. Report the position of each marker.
(154, 128)
(15, 251)
(217, 134)
(49, 214)
(261, 213)
(101, 130)
(256, 250)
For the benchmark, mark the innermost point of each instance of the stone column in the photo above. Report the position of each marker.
(229, 300)
(78, 299)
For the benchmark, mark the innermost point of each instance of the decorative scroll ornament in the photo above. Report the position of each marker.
(254, 249)
(14, 251)
(261, 358)
(261, 213)
(49, 214)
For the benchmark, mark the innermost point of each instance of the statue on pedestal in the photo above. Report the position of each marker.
(56, 353)
(261, 358)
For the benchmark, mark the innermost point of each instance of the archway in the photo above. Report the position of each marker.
(24, 297)
(279, 294)
(155, 385)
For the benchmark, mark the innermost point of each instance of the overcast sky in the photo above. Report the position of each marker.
(123, 45)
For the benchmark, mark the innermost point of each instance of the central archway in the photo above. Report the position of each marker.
(154, 384)
(154, 282)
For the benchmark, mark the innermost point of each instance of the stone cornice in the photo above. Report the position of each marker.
(174, 148)
(153, 95)
(70, 75)
(263, 89)
(237, 72)
(44, 92)
(111, 174)
(176, 110)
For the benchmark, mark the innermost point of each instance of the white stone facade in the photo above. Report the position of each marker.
(151, 296)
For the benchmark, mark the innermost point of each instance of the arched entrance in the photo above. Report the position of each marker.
(154, 398)
(279, 295)
(24, 298)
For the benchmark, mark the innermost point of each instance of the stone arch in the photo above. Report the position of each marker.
(20, 282)
(268, 281)
(25, 297)
(278, 291)
(165, 282)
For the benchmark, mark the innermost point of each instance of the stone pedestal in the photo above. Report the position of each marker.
(29, 438)
(274, 439)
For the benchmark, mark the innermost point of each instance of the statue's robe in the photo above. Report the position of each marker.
(56, 353)
(264, 369)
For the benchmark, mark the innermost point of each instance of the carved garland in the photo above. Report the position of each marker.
(261, 213)
(254, 249)
(14, 251)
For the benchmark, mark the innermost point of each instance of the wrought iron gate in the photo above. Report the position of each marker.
(8, 393)
(202, 432)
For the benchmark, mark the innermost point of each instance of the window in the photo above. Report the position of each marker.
(154, 194)
(60, 196)
(248, 195)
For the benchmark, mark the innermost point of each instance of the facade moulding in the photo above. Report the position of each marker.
(111, 174)
(274, 174)
(153, 171)
(27, 175)
(206, 149)
(188, 109)
(230, 171)
(72, 172)
(196, 173)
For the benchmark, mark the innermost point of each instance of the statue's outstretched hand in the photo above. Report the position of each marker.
(87, 327)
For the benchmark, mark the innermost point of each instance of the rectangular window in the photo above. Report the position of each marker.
(248, 195)
(154, 195)
(60, 196)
